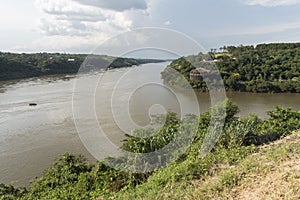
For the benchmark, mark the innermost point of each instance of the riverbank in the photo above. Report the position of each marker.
(263, 68)
(250, 149)
(41, 133)
(19, 66)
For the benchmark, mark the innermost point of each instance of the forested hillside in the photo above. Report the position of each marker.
(261, 68)
(16, 66)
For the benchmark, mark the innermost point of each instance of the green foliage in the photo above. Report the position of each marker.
(264, 68)
(150, 140)
(17, 66)
(240, 132)
(8, 192)
(71, 177)
(171, 75)
(229, 178)
(64, 173)
(282, 121)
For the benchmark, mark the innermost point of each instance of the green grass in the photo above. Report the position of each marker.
(242, 156)
(175, 183)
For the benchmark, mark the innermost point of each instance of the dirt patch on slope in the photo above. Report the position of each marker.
(281, 182)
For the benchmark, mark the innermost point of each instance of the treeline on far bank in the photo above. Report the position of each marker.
(261, 68)
(18, 66)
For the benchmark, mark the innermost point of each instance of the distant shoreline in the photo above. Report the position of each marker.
(15, 66)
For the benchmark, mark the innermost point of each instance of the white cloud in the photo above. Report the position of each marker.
(68, 25)
(167, 23)
(272, 3)
(68, 8)
(66, 17)
(117, 5)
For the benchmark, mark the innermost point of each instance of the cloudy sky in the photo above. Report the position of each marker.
(80, 25)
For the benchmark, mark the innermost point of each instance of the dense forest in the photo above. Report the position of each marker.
(71, 177)
(17, 66)
(261, 68)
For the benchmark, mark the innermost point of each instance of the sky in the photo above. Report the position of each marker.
(79, 26)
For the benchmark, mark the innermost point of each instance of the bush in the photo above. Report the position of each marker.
(71, 177)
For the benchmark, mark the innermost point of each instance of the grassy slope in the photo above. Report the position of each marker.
(234, 169)
(272, 172)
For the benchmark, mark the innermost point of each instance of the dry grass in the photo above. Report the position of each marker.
(280, 174)
(282, 182)
(272, 173)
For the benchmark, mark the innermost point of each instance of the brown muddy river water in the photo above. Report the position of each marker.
(31, 137)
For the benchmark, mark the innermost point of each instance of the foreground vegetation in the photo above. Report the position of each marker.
(239, 155)
(264, 68)
(17, 66)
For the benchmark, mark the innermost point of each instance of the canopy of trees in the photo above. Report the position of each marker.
(17, 66)
(264, 68)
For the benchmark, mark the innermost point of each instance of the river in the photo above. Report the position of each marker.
(31, 137)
